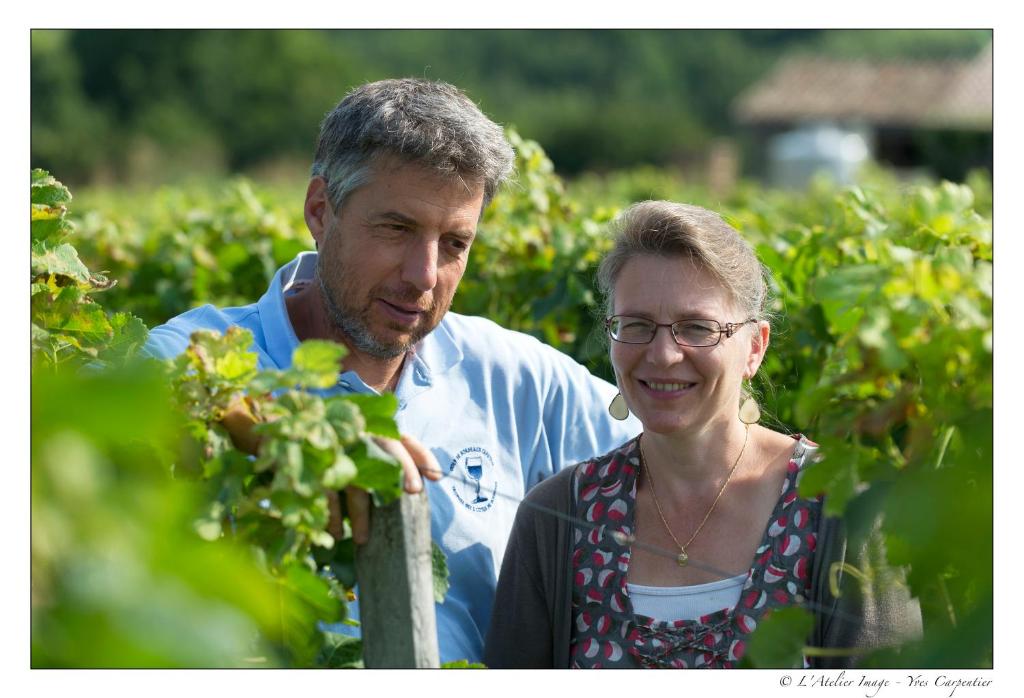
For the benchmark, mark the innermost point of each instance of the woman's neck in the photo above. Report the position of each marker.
(695, 461)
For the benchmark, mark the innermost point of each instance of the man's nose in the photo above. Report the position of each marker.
(420, 265)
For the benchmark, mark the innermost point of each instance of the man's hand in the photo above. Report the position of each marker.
(416, 460)
(239, 420)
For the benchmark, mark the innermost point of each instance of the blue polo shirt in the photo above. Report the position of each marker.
(500, 411)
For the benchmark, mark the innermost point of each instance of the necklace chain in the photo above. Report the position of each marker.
(682, 558)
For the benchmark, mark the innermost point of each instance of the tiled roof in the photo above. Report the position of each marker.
(950, 93)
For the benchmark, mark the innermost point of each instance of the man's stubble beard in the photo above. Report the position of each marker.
(354, 322)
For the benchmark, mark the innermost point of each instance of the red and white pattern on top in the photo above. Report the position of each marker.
(605, 631)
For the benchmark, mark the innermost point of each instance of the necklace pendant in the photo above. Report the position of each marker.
(682, 558)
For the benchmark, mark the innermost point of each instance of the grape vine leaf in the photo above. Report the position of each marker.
(439, 567)
(378, 472)
(48, 209)
(130, 335)
(227, 358)
(316, 363)
(69, 315)
(463, 664)
(780, 639)
(341, 652)
(310, 600)
(379, 413)
(47, 190)
(60, 260)
(340, 473)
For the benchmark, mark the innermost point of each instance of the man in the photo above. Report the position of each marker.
(402, 173)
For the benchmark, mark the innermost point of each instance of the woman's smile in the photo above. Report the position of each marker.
(665, 389)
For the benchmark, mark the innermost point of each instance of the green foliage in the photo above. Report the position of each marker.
(898, 323)
(884, 348)
(308, 445)
(67, 325)
(463, 664)
(778, 642)
(118, 578)
(132, 567)
(913, 44)
(555, 249)
(277, 501)
(174, 249)
(341, 652)
(439, 568)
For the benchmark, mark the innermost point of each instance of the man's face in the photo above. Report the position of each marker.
(391, 258)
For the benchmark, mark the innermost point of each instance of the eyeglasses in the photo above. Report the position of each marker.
(688, 333)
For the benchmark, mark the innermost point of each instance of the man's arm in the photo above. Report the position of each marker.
(577, 424)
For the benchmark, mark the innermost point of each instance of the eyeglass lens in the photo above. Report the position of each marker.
(635, 330)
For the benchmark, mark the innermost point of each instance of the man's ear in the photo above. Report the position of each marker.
(758, 348)
(317, 209)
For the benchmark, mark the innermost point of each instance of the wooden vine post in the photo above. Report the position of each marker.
(396, 587)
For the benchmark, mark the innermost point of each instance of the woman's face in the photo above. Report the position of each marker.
(673, 388)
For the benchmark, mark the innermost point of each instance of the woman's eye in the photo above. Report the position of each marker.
(635, 328)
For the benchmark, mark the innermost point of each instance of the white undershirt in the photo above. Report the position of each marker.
(686, 603)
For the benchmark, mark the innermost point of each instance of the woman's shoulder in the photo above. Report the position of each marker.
(558, 488)
(551, 490)
(788, 447)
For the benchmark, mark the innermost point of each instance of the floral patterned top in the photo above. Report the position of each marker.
(607, 633)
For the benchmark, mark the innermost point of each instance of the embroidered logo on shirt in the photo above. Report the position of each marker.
(475, 484)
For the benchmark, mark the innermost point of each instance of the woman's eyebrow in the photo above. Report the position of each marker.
(685, 314)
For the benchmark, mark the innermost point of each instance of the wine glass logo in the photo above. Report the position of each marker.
(475, 468)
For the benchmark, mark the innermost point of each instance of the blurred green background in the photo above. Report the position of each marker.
(147, 107)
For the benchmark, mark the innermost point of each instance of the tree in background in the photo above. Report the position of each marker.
(124, 105)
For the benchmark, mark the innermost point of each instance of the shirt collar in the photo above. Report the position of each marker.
(278, 334)
(435, 354)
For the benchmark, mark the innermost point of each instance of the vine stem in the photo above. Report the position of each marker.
(949, 601)
(946, 438)
(280, 610)
(809, 651)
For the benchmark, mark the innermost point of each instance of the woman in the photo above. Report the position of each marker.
(667, 551)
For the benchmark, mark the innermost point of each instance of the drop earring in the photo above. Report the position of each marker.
(750, 413)
(618, 408)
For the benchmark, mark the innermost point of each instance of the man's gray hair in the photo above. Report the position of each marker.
(428, 123)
